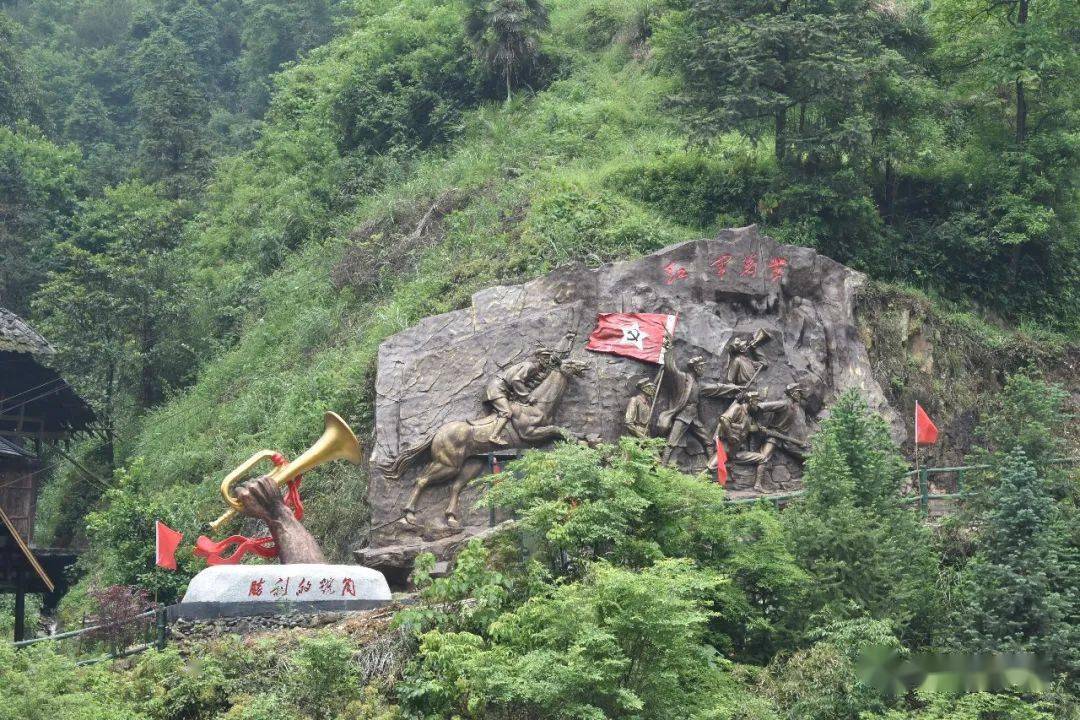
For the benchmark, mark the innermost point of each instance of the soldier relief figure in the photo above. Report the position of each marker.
(638, 415)
(687, 388)
(751, 428)
(515, 384)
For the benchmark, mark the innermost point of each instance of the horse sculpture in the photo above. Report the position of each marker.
(454, 447)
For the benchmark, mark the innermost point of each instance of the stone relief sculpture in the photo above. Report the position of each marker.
(682, 416)
(454, 448)
(638, 416)
(754, 316)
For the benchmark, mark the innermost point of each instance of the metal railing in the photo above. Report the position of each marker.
(924, 497)
(160, 626)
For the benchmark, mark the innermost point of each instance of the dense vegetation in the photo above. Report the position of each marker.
(215, 209)
(629, 590)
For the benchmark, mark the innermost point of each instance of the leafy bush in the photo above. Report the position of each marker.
(616, 644)
(699, 189)
(324, 678)
(976, 706)
(38, 684)
(822, 682)
(618, 503)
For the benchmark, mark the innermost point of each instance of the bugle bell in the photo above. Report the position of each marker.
(336, 443)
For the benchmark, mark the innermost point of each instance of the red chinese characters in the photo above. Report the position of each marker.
(720, 264)
(326, 586)
(256, 588)
(348, 587)
(749, 266)
(674, 272)
(303, 586)
(776, 268)
(281, 588)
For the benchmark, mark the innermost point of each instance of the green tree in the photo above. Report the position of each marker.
(1021, 590)
(275, 33)
(173, 114)
(1029, 414)
(115, 299)
(798, 64)
(39, 188)
(17, 96)
(506, 34)
(867, 553)
(1013, 64)
(1029, 48)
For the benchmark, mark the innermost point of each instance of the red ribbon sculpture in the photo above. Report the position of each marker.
(262, 546)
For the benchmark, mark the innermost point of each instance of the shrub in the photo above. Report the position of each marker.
(616, 644)
(821, 682)
(575, 504)
(698, 189)
(324, 677)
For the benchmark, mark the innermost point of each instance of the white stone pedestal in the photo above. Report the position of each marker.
(238, 590)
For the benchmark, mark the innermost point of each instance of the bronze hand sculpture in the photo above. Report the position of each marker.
(261, 499)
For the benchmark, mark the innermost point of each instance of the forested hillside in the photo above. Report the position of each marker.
(217, 209)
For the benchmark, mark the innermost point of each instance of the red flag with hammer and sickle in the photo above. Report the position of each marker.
(634, 335)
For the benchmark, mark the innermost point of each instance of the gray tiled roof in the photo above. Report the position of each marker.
(9, 448)
(17, 336)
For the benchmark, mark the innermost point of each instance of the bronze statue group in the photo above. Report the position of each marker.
(748, 421)
(751, 429)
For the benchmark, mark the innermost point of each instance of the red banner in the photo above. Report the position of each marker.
(926, 431)
(634, 335)
(721, 463)
(166, 540)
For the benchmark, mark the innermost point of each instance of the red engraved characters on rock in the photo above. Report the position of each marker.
(302, 587)
(674, 272)
(749, 266)
(777, 266)
(348, 587)
(720, 264)
(326, 586)
(256, 588)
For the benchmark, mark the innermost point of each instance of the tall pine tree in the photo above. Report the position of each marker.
(868, 553)
(173, 114)
(1021, 590)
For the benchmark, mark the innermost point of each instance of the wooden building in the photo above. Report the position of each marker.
(37, 407)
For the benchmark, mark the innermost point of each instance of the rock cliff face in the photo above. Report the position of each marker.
(723, 288)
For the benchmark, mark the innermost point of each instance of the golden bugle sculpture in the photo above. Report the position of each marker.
(336, 443)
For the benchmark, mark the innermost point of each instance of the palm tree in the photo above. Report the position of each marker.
(506, 33)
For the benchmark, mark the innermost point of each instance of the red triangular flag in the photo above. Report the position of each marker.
(721, 463)
(634, 335)
(925, 430)
(167, 540)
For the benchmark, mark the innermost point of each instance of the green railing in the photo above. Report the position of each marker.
(155, 635)
(924, 498)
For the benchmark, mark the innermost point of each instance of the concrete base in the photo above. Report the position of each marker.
(240, 590)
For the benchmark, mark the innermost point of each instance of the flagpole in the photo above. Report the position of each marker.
(660, 375)
(916, 435)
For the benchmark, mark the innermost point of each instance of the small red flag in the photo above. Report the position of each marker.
(635, 335)
(166, 542)
(926, 431)
(721, 463)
